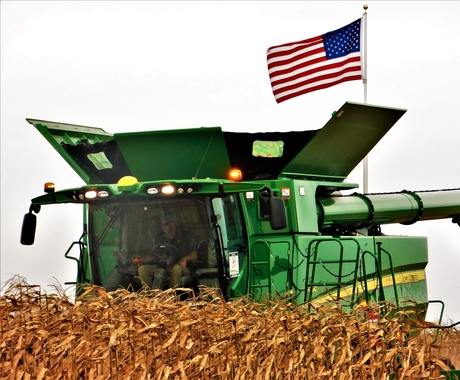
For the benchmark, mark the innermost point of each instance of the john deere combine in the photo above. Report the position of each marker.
(284, 224)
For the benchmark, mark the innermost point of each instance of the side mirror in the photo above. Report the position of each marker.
(29, 224)
(272, 208)
(277, 214)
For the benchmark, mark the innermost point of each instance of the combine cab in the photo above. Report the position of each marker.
(281, 226)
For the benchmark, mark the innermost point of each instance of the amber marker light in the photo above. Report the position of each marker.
(49, 187)
(235, 175)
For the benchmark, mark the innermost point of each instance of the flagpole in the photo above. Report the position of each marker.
(364, 25)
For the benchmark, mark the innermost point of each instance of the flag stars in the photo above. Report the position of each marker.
(342, 41)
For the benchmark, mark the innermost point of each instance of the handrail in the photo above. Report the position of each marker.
(80, 265)
(270, 255)
(440, 318)
(390, 259)
(66, 255)
(340, 261)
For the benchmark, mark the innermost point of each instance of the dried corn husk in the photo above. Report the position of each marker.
(153, 335)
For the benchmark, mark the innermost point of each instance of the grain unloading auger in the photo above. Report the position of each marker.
(282, 226)
(405, 207)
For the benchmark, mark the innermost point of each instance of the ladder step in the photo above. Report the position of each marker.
(331, 261)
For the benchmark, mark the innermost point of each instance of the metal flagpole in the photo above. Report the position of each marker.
(364, 72)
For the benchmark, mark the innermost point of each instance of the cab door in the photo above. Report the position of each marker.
(230, 235)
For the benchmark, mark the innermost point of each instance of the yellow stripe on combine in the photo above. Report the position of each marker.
(400, 278)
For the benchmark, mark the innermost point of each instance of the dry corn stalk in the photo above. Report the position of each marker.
(153, 335)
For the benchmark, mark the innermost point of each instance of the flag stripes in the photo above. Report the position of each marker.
(316, 63)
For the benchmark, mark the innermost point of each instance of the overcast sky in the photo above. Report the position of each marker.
(130, 66)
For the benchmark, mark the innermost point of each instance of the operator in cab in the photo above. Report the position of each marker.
(173, 248)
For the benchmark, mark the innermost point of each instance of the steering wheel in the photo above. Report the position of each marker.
(164, 245)
(163, 257)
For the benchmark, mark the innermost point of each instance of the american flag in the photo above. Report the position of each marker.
(304, 66)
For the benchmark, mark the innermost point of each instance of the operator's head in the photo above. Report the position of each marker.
(168, 218)
(168, 224)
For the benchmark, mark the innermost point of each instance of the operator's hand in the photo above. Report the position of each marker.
(191, 256)
(183, 262)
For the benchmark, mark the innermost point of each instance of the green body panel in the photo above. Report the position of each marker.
(323, 269)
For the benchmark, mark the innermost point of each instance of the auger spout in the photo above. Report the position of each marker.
(405, 207)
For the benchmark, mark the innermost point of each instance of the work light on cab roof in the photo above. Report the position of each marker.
(235, 174)
(168, 189)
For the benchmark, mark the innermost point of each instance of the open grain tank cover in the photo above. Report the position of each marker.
(331, 153)
(344, 141)
(101, 157)
(175, 154)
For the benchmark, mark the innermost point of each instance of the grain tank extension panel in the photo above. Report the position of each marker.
(183, 153)
(101, 157)
(344, 141)
(330, 153)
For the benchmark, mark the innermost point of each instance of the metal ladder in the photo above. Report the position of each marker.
(260, 280)
(340, 282)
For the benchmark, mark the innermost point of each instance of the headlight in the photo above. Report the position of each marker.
(153, 190)
(91, 194)
(167, 189)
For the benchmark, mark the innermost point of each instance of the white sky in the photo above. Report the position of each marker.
(128, 66)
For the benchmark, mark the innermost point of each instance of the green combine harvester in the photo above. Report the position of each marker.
(267, 211)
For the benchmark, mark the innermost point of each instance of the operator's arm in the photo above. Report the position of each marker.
(191, 256)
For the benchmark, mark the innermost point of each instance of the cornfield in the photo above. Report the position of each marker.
(154, 335)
